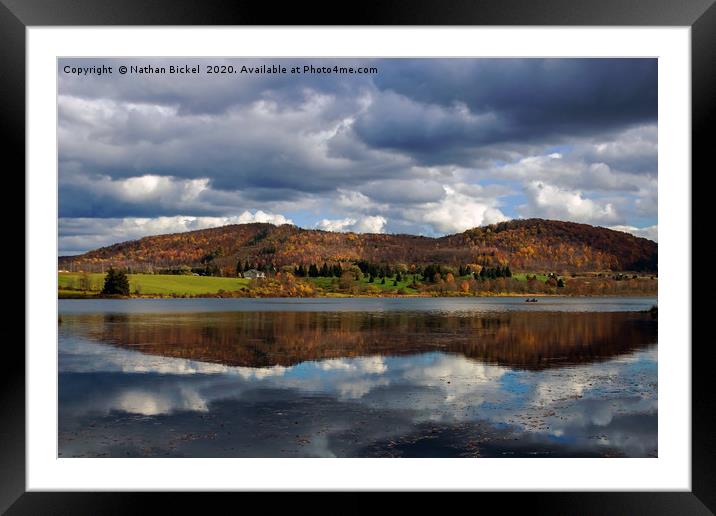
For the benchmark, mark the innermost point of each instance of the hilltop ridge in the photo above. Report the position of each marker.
(523, 244)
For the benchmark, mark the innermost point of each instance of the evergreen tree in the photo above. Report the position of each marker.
(430, 272)
(116, 283)
(313, 271)
(383, 281)
(398, 277)
(239, 268)
(324, 271)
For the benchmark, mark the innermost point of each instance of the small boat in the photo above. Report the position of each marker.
(533, 300)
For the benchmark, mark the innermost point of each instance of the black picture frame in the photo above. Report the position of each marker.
(17, 15)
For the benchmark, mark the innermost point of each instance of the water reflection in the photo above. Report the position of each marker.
(351, 384)
(529, 340)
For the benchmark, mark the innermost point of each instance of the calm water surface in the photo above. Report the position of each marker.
(446, 377)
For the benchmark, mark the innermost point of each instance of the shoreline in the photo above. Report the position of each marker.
(89, 286)
(351, 296)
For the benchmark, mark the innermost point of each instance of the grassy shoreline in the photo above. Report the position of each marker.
(70, 294)
(147, 286)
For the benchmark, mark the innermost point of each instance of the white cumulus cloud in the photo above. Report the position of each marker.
(367, 224)
(554, 202)
(461, 208)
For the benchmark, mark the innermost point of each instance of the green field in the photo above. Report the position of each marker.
(326, 284)
(79, 285)
(150, 284)
(522, 276)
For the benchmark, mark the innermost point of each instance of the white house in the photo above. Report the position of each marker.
(253, 274)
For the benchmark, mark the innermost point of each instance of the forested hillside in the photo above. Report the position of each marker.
(523, 245)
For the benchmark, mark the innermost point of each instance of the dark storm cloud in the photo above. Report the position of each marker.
(78, 201)
(451, 104)
(434, 112)
(558, 93)
(210, 95)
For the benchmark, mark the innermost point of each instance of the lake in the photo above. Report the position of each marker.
(358, 377)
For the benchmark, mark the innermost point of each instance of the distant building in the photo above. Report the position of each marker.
(253, 274)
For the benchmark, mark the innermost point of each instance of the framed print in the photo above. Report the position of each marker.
(419, 253)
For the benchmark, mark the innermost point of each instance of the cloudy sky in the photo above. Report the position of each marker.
(424, 146)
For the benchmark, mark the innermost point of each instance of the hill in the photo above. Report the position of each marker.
(524, 245)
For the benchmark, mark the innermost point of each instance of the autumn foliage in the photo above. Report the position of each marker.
(524, 245)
